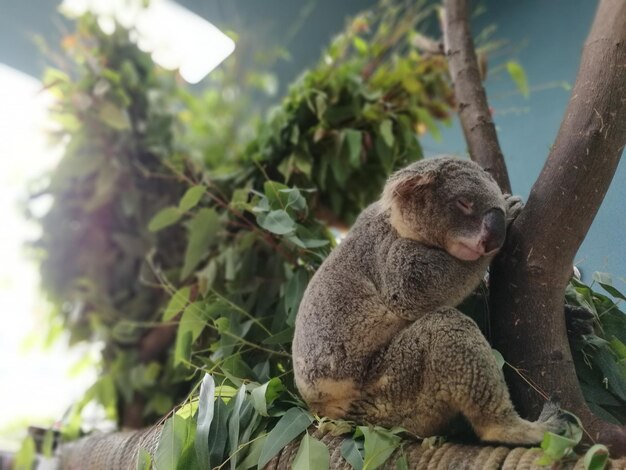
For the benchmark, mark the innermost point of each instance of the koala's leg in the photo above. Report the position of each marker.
(441, 367)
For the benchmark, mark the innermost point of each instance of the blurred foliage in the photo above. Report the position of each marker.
(184, 228)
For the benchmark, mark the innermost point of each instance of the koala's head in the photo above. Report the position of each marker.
(447, 203)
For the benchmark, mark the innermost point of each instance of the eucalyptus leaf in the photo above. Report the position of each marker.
(171, 443)
(597, 457)
(206, 407)
(144, 460)
(177, 303)
(293, 423)
(277, 221)
(312, 455)
(517, 73)
(353, 453)
(114, 116)
(265, 394)
(164, 218)
(233, 425)
(386, 131)
(191, 198)
(202, 229)
(379, 445)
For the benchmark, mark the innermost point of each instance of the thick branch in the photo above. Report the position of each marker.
(478, 127)
(530, 275)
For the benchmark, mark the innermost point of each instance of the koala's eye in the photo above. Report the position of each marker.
(467, 207)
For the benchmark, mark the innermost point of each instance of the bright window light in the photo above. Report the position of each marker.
(26, 154)
(176, 37)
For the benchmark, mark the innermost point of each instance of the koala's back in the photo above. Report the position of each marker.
(342, 306)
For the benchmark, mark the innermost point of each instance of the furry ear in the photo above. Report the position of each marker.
(404, 184)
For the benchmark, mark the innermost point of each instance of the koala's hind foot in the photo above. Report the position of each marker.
(441, 367)
(521, 432)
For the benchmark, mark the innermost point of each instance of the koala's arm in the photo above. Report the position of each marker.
(417, 279)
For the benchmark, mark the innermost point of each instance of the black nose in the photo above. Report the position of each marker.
(494, 230)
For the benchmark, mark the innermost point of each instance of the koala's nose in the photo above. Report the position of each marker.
(494, 230)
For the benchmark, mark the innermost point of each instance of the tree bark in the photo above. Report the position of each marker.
(476, 121)
(529, 276)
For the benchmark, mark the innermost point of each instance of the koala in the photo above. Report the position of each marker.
(378, 338)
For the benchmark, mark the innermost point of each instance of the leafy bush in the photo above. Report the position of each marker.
(186, 259)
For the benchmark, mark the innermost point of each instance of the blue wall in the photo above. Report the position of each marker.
(546, 37)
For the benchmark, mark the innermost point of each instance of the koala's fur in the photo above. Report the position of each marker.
(377, 336)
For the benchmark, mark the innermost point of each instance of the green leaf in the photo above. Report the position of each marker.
(360, 45)
(401, 463)
(293, 423)
(191, 198)
(386, 131)
(295, 200)
(218, 435)
(254, 453)
(48, 444)
(265, 394)
(277, 221)
(517, 73)
(282, 337)
(202, 228)
(144, 460)
(164, 218)
(233, 425)
(320, 105)
(25, 457)
(353, 453)
(353, 142)
(498, 357)
(114, 116)
(379, 445)
(192, 323)
(312, 455)
(171, 443)
(294, 290)
(555, 447)
(206, 406)
(596, 457)
(177, 303)
(605, 280)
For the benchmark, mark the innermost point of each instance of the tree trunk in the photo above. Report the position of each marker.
(471, 100)
(529, 276)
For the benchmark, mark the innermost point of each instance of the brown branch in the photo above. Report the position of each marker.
(531, 273)
(478, 127)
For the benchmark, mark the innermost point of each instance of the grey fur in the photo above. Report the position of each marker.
(377, 337)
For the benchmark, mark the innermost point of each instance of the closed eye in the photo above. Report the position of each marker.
(467, 207)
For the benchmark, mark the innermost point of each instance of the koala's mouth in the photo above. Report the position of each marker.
(469, 252)
(466, 252)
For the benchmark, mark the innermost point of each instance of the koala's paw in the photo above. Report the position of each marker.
(558, 421)
(514, 206)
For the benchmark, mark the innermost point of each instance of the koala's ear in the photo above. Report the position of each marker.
(405, 185)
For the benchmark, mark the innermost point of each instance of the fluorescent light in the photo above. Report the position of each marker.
(176, 37)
